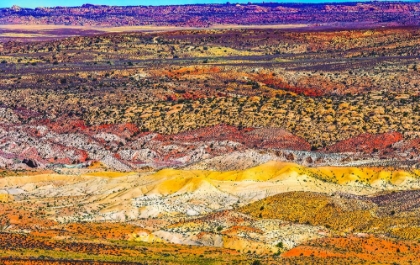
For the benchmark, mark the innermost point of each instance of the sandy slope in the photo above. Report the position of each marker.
(198, 206)
(174, 192)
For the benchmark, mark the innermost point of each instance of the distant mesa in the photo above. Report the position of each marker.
(87, 5)
(198, 15)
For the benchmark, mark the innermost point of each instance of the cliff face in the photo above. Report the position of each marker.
(206, 15)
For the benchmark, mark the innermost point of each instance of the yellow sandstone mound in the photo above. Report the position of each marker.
(176, 179)
(371, 176)
(180, 192)
(262, 172)
(5, 197)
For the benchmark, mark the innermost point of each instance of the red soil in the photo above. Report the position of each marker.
(382, 250)
(366, 143)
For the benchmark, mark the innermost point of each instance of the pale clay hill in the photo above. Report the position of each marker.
(178, 197)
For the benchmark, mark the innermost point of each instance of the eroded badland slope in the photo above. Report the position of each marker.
(211, 146)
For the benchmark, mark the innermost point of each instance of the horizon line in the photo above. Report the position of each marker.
(303, 2)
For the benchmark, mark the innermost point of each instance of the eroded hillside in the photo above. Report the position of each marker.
(211, 146)
(274, 211)
(322, 86)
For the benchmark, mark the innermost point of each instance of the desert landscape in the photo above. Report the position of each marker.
(228, 134)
